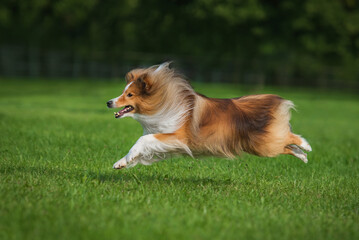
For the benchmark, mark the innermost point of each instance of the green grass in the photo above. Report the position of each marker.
(58, 143)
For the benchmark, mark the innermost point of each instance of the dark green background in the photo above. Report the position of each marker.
(297, 42)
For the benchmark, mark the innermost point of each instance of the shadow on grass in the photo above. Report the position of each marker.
(162, 179)
(109, 177)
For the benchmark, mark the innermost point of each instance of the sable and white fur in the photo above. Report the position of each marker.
(176, 119)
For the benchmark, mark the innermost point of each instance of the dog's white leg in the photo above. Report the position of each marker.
(150, 145)
(300, 142)
(305, 145)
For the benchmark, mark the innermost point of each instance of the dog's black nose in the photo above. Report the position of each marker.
(109, 103)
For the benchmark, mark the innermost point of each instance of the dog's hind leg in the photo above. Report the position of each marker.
(149, 146)
(300, 142)
(295, 151)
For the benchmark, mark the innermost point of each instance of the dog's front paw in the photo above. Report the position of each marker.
(120, 164)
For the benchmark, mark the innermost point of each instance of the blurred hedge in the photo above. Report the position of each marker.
(289, 42)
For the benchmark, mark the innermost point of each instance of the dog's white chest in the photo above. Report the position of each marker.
(160, 123)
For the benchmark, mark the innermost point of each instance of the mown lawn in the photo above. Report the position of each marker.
(58, 142)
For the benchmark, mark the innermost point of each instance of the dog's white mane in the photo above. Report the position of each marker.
(176, 102)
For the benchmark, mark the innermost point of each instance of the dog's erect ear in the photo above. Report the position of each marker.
(129, 77)
(143, 83)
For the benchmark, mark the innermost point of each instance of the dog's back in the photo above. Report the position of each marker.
(256, 124)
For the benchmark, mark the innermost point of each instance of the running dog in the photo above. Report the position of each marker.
(176, 119)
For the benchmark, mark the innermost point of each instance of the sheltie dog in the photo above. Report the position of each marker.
(176, 119)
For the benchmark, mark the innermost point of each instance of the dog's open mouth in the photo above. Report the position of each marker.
(124, 110)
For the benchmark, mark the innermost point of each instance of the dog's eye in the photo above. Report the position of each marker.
(129, 95)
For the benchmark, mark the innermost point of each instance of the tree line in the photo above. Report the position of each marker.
(287, 41)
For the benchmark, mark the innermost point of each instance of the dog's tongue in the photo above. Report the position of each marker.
(120, 113)
(124, 110)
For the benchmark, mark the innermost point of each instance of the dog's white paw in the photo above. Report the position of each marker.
(298, 152)
(305, 145)
(303, 157)
(120, 164)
